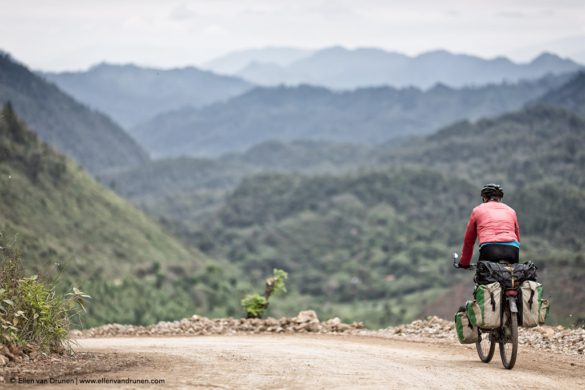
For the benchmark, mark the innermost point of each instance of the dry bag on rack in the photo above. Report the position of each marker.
(466, 331)
(534, 307)
(509, 275)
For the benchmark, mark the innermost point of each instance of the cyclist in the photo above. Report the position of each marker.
(496, 226)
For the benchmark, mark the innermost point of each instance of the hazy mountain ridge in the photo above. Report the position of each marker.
(190, 174)
(366, 116)
(233, 62)
(132, 94)
(341, 68)
(89, 137)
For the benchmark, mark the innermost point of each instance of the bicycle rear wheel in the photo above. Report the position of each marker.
(509, 339)
(485, 345)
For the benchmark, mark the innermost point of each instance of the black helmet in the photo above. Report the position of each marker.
(492, 190)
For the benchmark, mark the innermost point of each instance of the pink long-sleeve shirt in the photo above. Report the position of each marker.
(489, 222)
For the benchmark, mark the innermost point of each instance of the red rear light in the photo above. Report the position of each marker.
(511, 293)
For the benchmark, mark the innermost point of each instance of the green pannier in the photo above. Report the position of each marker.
(484, 311)
(466, 332)
(534, 307)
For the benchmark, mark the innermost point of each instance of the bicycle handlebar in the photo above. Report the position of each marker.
(456, 263)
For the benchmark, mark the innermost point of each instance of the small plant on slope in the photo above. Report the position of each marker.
(255, 304)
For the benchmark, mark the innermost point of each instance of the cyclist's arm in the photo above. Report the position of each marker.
(468, 241)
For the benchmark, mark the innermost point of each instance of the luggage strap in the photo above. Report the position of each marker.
(493, 301)
(530, 300)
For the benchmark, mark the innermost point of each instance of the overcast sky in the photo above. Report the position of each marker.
(73, 34)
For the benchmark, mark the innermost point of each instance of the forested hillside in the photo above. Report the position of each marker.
(87, 136)
(132, 94)
(537, 153)
(182, 191)
(520, 148)
(68, 227)
(369, 244)
(375, 244)
(366, 246)
(364, 116)
(570, 95)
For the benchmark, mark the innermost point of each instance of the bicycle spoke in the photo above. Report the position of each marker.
(485, 346)
(509, 340)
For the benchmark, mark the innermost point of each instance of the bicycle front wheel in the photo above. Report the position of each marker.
(509, 340)
(485, 345)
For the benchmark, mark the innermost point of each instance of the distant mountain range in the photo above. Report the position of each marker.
(182, 189)
(365, 116)
(89, 137)
(341, 68)
(132, 94)
(235, 61)
(367, 242)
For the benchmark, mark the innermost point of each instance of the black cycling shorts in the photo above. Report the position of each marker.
(496, 253)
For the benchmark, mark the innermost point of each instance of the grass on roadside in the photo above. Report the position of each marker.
(32, 314)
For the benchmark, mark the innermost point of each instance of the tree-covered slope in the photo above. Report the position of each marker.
(69, 227)
(520, 148)
(181, 191)
(132, 94)
(376, 244)
(364, 116)
(87, 136)
(537, 154)
(165, 177)
(360, 246)
(303, 156)
(570, 95)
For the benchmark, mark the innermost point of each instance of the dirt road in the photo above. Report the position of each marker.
(299, 362)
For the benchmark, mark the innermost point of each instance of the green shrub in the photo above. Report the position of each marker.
(255, 304)
(31, 312)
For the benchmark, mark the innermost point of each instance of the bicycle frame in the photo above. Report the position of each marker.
(507, 334)
(512, 299)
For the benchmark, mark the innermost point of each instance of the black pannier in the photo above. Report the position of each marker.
(508, 275)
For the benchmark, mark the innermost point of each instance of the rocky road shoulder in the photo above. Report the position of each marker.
(556, 339)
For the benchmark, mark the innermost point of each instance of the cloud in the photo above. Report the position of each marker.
(215, 30)
(452, 13)
(182, 12)
(511, 15)
(43, 33)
